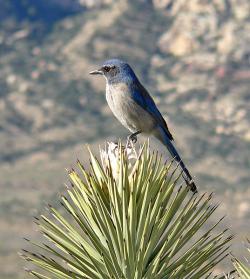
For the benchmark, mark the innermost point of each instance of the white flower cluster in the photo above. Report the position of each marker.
(111, 154)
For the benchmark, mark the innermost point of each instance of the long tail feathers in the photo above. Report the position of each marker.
(186, 175)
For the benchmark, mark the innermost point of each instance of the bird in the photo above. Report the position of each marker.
(133, 106)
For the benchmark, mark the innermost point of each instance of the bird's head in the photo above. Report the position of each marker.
(115, 70)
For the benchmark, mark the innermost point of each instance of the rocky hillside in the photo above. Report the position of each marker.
(194, 58)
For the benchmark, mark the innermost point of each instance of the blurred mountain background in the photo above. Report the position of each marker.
(194, 58)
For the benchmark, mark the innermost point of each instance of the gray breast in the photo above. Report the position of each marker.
(126, 110)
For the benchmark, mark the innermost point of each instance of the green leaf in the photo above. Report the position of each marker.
(132, 222)
(242, 268)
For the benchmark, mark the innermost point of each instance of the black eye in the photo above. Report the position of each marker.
(106, 68)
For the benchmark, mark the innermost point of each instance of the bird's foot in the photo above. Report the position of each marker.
(132, 138)
(130, 141)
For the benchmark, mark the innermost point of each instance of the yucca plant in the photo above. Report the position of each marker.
(127, 217)
(243, 268)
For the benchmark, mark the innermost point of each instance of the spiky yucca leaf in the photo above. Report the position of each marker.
(243, 269)
(128, 218)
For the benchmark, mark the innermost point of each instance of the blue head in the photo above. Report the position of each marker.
(115, 71)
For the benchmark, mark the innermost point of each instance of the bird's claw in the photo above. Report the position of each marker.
(132, 138)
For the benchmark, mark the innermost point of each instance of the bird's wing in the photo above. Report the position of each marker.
(144, 100)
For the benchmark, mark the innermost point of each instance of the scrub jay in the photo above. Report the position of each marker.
(136, 110)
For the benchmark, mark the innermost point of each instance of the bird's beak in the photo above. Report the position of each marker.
(96, 72)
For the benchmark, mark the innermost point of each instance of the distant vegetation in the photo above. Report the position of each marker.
(194, 59)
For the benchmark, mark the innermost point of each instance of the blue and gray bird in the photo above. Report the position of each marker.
(132, 105)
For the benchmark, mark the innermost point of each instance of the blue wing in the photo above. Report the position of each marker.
(143, 99)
